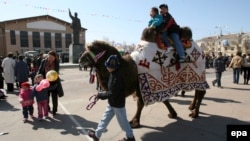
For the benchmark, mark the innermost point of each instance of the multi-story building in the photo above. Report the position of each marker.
(40, 33)
(227, 44)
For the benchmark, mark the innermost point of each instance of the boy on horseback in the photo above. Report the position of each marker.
(171, 28)
(156, 18)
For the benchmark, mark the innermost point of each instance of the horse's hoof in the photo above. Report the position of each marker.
(134, 124)
(193, 115)
(183, 94)
(172, 115)
(191, 107)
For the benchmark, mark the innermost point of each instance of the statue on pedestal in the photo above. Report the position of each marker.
(76, 26)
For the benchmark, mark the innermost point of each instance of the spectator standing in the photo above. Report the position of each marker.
(21, 71)
(246, 68)
(236, 63)
(28, 60)
(38, 61)
(47, 64)
(8, 65)
(219, 66)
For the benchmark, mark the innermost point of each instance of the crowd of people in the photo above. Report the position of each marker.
(19, 70)
(240, 63)
(24, 69)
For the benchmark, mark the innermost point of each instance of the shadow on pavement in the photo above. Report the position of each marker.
(205, 128)
(61, 122)
(243, 89)
(6, 106)
(187, 102)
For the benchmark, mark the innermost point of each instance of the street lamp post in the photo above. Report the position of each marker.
(220, 27)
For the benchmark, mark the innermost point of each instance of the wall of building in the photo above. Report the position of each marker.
(39, 24)
(236, 42)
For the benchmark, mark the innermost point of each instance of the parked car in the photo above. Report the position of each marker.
(31, 53)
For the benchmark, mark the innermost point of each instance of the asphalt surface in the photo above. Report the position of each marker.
(219, 108)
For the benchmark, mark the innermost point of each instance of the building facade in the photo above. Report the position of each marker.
(40, 33)
(227, 44)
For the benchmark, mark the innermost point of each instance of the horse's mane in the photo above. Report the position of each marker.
(98, 46)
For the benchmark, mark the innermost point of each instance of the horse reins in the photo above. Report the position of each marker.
(94, 98)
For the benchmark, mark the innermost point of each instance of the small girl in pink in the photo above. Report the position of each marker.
(26, 101)
(41, 97)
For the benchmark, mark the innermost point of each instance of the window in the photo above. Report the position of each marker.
(68, 40)
(24, 39)
(58, 40)
(47, 40)
(12, 37)
(36, 39)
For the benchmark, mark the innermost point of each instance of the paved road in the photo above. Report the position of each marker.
(219, 108)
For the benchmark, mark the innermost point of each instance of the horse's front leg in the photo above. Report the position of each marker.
(135, 121)
(172, 112)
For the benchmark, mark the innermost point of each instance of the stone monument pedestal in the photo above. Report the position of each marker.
(75, 52)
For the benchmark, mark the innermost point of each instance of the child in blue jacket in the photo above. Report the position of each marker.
(156, 18)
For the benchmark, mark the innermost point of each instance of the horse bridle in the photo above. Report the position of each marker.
(94, 57)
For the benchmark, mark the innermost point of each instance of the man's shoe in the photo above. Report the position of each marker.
(91, 134)
(128, 139)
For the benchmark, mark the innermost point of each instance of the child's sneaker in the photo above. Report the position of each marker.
(182, 59)
(25, 120)
(40, 119)
(169, 49)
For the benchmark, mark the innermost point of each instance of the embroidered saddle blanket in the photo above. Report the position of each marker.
(160, 79)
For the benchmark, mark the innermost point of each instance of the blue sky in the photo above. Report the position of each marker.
(122, 21)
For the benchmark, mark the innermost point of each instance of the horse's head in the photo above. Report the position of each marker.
(86, 60)
(95, 55)
(149, 34)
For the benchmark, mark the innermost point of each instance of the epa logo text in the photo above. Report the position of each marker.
(239, 134)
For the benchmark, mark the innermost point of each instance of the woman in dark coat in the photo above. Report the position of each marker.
(47, 64)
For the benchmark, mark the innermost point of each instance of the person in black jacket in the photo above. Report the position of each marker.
(219, 66)
(171, 28)
(116, 102)
(47, 64)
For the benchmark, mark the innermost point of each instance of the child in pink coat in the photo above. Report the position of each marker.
(26, 101)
